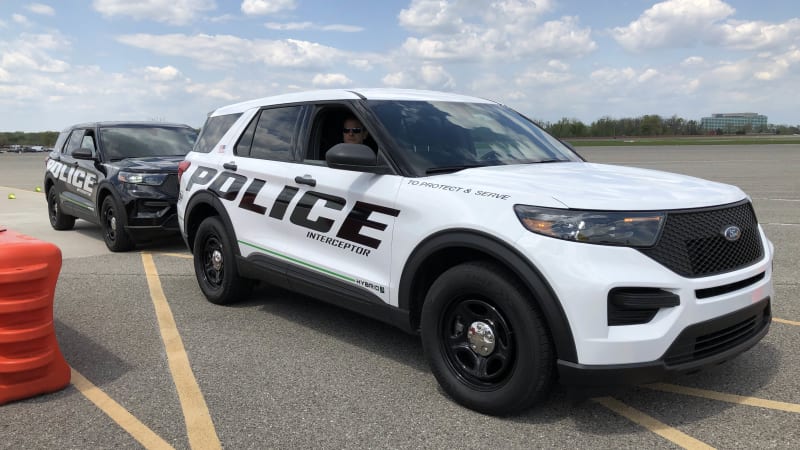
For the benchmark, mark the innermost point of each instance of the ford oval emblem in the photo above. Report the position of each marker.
(732, 233)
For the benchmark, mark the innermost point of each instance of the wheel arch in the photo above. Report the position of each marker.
(104, 190)
(201, 205)
(445, 249)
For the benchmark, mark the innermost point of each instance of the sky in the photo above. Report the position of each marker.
(64, 62)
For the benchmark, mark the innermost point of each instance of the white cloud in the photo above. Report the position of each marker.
(294, 26)
(692, 61)
(20, 19)
(342, 28)
(331, 79)
(261, 7)
(166, 73)
(673, 23)
(457, 30)
(175, 12)
(688, 23)
(448, 16)
(218, 51)
(428, 76)
(39, 8)
(289, 26)
(759, 35)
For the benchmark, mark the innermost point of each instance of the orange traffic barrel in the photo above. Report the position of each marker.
(30, 360)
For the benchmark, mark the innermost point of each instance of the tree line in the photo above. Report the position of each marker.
(647, 125)
(43, 138)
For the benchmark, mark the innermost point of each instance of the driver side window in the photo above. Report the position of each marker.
(328, 131)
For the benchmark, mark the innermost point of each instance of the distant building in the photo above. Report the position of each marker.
(734, 122)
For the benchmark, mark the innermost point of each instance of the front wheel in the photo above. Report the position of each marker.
(112, 221)
(215, 264)
(58, 220)
(485, 340)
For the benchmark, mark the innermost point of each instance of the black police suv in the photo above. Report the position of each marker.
(120, 175)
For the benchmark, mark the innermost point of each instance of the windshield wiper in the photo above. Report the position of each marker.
(448, 169)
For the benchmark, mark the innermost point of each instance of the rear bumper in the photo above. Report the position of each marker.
(699, 346)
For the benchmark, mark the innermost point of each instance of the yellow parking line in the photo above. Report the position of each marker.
(177, 255)
(671, 434)
(788, 322)
(118, 414)
(199, 427)
(723, 397)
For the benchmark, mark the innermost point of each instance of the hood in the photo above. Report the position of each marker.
(580, 185)
(161, 164)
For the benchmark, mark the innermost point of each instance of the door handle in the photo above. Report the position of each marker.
(230, 166)
(305, 179)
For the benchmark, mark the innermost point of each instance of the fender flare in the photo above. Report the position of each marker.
(523, 268)
(206, 198)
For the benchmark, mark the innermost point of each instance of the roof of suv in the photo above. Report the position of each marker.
(348, 94)
(113, 123)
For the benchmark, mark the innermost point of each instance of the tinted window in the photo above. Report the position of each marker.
(243, 146)
(213, 131)
(451, 134)
(274, 134)
(138, 141)
(75, 140)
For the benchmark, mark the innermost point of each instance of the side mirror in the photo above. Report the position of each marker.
(356, 157)
(82, 153)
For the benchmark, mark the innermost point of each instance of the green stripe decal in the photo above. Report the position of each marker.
(297, 261)
(77, 203)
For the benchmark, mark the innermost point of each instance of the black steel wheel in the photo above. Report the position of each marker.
(485, 339)
(215, 264)
(112, 221)
(58, 220)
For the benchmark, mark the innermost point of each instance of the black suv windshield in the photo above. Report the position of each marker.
(448, 136)
(137, 141)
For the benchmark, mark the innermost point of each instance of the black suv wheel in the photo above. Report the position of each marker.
(485, 341)
(58, 220)
(112, 220)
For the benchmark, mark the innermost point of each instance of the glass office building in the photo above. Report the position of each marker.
(733, 122)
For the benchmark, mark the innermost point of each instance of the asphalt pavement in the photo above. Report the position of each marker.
(157, 366)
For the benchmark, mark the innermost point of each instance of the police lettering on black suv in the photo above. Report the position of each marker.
(120, 175)
(518, 263)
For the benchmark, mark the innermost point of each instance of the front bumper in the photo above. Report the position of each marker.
(702, 345)
(151, 211)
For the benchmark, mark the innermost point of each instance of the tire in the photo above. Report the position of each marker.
(58, 219)
(215, 264)
(112, 220)
(498, 376)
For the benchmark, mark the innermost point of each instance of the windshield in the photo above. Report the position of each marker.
(442, 136)
(138, 141)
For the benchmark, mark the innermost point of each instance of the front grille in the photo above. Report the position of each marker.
(170, 186)
(715, 336)
(692, 243)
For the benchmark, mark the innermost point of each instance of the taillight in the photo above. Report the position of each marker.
(182, 166)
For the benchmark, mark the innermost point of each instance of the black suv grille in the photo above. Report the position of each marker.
(170, 186)
(692, 243)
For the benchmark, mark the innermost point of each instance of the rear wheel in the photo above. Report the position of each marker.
(215, 264)
(485, 340)
(58, 220)
(112, 220)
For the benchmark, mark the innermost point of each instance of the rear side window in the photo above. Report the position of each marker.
(213, 131)
(271, 135)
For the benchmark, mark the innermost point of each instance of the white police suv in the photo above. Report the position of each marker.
(517, 262)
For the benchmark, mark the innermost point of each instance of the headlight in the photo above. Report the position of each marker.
(151, 179)
(630, 229)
